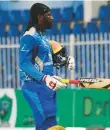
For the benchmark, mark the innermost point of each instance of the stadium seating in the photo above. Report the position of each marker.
(23, 29)
(104, 27)
(56, 14)
(53, 31)
(65, 29)
(79, 13)
(13, 31)
(63, 16)
(67, 14)
(91, 28)
(4, 17)
(2, 30)
(78, 28)
(25, 16)
(104, 12)
(94, 19)
(16, 16)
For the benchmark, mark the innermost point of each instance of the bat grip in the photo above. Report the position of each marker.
(74, 82)
(67, 81)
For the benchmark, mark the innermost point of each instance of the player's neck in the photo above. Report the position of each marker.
(40, 28)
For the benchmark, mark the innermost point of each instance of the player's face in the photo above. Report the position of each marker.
(48, 20)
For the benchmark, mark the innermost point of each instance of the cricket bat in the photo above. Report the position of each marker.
(99, 83)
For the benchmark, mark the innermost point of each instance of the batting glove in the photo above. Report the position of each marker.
(71, 63)
(53, 83)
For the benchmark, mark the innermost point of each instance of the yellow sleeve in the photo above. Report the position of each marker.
(56, 47)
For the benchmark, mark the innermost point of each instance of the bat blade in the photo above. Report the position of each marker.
(103, 83)
(98, 83)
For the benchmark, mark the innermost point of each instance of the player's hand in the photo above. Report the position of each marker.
(53, 83)
(71, 63)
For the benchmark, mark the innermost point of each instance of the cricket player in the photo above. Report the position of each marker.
(39, 84)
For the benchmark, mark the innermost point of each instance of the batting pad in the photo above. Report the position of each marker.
(57, 127)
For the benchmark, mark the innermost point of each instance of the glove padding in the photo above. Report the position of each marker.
(53, 82)
(71, 63)
(57, 127)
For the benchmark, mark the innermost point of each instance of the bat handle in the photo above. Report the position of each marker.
(67, 81)
(74, 82)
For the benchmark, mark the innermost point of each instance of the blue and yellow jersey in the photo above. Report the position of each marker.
(35, 56)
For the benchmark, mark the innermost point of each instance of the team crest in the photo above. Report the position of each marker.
(7, 108)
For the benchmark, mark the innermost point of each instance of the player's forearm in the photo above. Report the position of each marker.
(31, 71)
